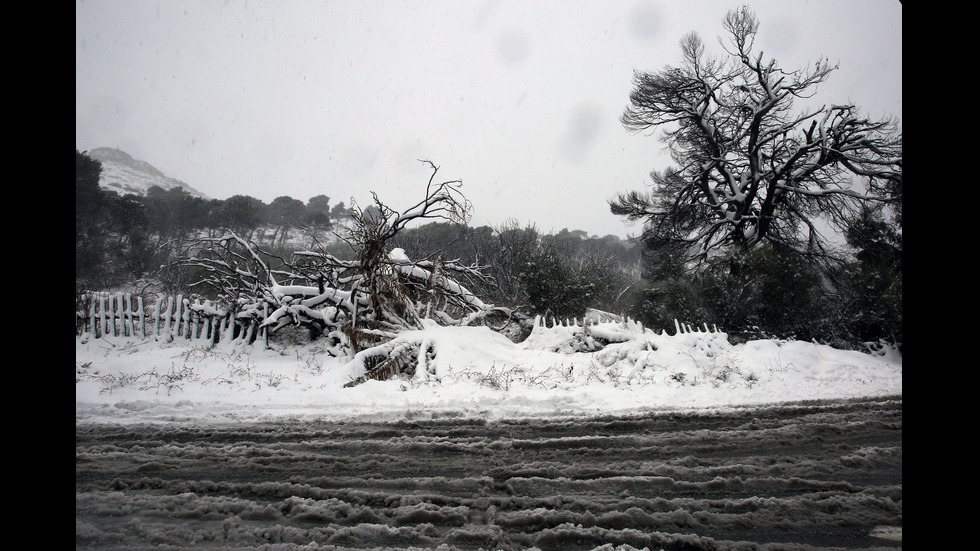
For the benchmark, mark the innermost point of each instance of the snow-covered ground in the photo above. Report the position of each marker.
(559, 370)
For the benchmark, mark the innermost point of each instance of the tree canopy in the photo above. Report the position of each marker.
(749, 168)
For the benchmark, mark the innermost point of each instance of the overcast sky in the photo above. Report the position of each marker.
(519, 99)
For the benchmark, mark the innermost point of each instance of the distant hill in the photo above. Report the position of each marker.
(124, 174)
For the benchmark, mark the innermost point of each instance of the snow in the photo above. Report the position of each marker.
(398, 256)
(565, 369)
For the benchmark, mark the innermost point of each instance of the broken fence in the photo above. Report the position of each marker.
(167, 317)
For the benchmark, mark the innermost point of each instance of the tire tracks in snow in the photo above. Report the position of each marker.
(812, 475)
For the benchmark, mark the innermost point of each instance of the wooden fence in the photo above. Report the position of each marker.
(167, 318)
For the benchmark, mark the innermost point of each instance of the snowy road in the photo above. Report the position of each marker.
(801, 476)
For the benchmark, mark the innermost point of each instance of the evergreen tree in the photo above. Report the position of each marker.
(750, 169)
(318, 212)
(284, 213)
(871, 288)
(241, 213)
(90, 222)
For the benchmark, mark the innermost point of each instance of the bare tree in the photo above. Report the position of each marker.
(505, 252)
(750, 169)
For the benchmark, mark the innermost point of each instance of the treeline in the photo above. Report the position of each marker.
(555, 275)
(122, 238)
(764, 292)
(761, 292)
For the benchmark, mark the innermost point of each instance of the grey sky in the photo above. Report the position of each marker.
(519, 99)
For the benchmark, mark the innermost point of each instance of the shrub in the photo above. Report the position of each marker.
(749, 293)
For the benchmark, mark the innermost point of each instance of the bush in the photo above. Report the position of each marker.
(871, 303)
(554, 289)
(748, 293)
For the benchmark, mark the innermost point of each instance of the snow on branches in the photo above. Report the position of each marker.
(359, 305)
(750, 169)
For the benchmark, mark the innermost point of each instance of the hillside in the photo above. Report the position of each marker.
(124, 174)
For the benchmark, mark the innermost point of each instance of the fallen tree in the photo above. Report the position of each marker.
(360, 306)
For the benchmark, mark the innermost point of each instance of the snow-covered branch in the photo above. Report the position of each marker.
(750, 169)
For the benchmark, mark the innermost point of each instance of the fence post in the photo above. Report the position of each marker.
(178, 315)
(127, 321)
(92, 319)
(167, 317)
(102, 321)
(195, 318)
(142, 322)
(110, 316)
(117, 312)
(188, 317)
(155, 314)
(185, 317)
(81, 314)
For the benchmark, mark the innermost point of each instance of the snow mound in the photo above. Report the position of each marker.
(469, 371)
